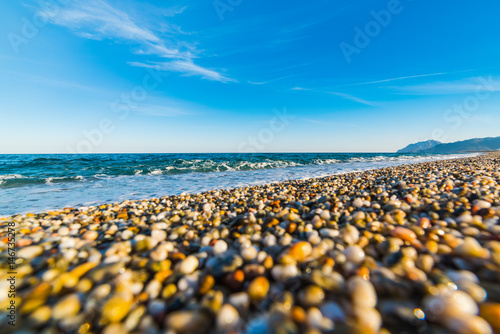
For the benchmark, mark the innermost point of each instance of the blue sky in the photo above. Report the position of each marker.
(243, 76)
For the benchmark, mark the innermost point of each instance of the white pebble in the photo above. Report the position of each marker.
(227, 318)
(249, 253)
(354, 254)
(362, 292)
(188, 265)
(220, 247)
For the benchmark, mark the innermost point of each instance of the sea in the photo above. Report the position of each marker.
(42, 182)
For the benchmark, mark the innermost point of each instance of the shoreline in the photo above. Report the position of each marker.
(299, 173)
(414, 247)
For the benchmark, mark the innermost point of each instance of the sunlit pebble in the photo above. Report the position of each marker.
(220, 247)
(424, 222)
(158, 235)
(354, 254)
(403, 233)
(249, 253)
(419, 314)
(227, 318)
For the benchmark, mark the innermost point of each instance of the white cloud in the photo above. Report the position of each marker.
(404, 78)
(186, 67)
(396, 79)
(463, 86)
(269, 81)
(339, 94)
(96, 19)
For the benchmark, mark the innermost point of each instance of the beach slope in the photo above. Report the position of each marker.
(414, 248)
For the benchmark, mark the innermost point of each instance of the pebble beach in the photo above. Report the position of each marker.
(407, 249)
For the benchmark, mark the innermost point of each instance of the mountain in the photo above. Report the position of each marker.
(470, 145)
(423, 145)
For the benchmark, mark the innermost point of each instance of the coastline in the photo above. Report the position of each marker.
(137, 177)
(356, 252)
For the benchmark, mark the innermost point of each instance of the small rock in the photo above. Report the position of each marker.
(403, 234)
(300, 251)
(354, 254)
(258, 288)
(362, 292)
(188, 265)
(471, 247)
(312, 295)
(30, 252)
(115, 309)
(227, 318)
(188, 322)
(90, 235)
(67, 307)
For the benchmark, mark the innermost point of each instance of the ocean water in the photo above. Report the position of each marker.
(35, 183)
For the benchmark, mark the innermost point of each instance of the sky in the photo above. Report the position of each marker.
(102, 76)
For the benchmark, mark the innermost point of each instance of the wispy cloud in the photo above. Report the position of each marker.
(396, 79)
(96, 19)
(186, 67)
(269, 81)
(339, 94)
(462, 86)
(404, 78)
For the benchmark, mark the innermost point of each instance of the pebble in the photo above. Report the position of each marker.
(368, 319)
(188, 322)
(481, 204)
(67, 307)
(284, 272)
(312, 295)
(188, 265)
(29, 252)
(90, 235)
(354, 254)
(300, 251)
(115, 309)
(258, 288)
(403, 234)
(41, 315)
(362, 292)
(333, 311)
(227, 318)
(449, 305)
(358, 202)
(471, 248)
(425, 262)
(220, 247)
(350, 234)
(249, 253)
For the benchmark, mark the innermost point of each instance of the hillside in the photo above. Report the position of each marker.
(423, 145)
(470, 145)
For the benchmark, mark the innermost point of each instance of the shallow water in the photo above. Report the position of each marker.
(34, 183)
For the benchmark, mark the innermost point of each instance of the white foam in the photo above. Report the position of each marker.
(11, 176)
(155, 172)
